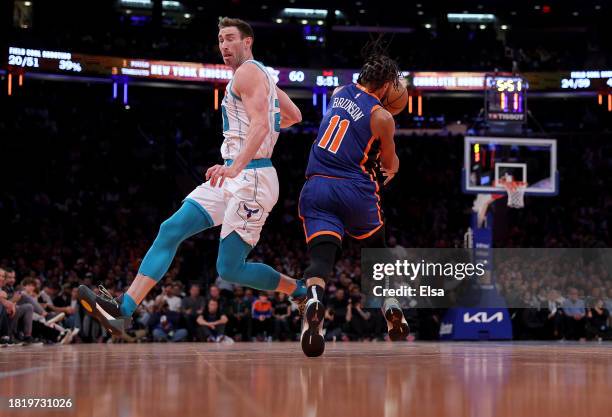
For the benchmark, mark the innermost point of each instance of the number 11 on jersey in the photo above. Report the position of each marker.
(337, 138)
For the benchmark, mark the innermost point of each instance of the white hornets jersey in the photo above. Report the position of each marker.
(236, 121)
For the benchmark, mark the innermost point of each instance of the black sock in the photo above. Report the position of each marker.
(316, 291)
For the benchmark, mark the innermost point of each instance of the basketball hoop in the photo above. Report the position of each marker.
(515, 191)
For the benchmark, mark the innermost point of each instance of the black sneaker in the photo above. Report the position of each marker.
(31, 341)
(103, 308)
(5, 341)
(312, 340)
(397, 326)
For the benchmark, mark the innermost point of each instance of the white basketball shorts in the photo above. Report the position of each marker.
(242, 204)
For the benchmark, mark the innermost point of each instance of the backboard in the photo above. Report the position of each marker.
(530, 160)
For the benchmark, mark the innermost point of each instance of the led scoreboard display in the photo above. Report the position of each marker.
(82, 64)
(505, 98)
(505, 92)
(315, 78)
(69, 63)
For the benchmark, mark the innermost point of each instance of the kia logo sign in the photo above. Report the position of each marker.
(483, 317)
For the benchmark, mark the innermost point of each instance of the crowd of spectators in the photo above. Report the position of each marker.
(558, 293)
(85, 187)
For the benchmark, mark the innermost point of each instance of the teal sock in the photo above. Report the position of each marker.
(300, 290)
(128, 305)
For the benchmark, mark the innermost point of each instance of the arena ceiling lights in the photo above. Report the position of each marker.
(470, 17)
(308, 13)
(148, 4)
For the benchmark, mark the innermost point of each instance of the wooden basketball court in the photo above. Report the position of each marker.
(275, 379)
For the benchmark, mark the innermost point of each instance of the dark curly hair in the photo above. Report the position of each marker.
(378, 67)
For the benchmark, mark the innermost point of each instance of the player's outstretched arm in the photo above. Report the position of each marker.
(251, 84)
(383, 127)
(290, 113)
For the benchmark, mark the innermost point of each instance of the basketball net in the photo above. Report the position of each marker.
(515, 191)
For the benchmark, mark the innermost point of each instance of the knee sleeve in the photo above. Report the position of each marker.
(323, 255)
(186, 222)
(232, 265)
(232, 258)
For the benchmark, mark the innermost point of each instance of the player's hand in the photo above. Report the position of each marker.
(10, 308)
(389, 175)
(218, 173)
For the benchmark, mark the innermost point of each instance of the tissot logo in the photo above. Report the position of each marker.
(483, 317)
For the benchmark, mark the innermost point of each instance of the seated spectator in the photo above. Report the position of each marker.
(215, 294)
(597, 322)
(9, 282)
(282, 310)
(226, 288)
(45, 325)
(4, 326)
(166, 325)
(29, 295)
(239, 316)
(249, 296)
(19, 317)
(66, 302)
(261, 311)
(574, 312)
(170, 295)
(359, 320)
(192, 307)
(337, 317)
(212, 323)
(554, 318)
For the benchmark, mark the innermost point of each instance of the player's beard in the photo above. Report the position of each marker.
(240, 59)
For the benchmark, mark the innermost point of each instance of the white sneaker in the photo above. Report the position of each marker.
(75, 331)
(226, 340)
(66, 337)
(312, 339)
(397, 326)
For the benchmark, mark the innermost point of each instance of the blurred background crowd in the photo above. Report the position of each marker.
(84, 206)
(87, 181)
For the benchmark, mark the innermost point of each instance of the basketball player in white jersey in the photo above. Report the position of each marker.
(238, 194)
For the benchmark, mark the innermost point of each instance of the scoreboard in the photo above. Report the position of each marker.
(505, 98)
(82, 64)
(505, 92)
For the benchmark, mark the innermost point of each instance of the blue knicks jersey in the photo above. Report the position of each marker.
(345, 146)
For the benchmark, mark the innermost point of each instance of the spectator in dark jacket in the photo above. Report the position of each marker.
(212, 323)
(165, 326)
(192, 306)
(597, 321)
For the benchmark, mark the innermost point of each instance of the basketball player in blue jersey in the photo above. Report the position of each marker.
(238, 195)
(341, 194)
